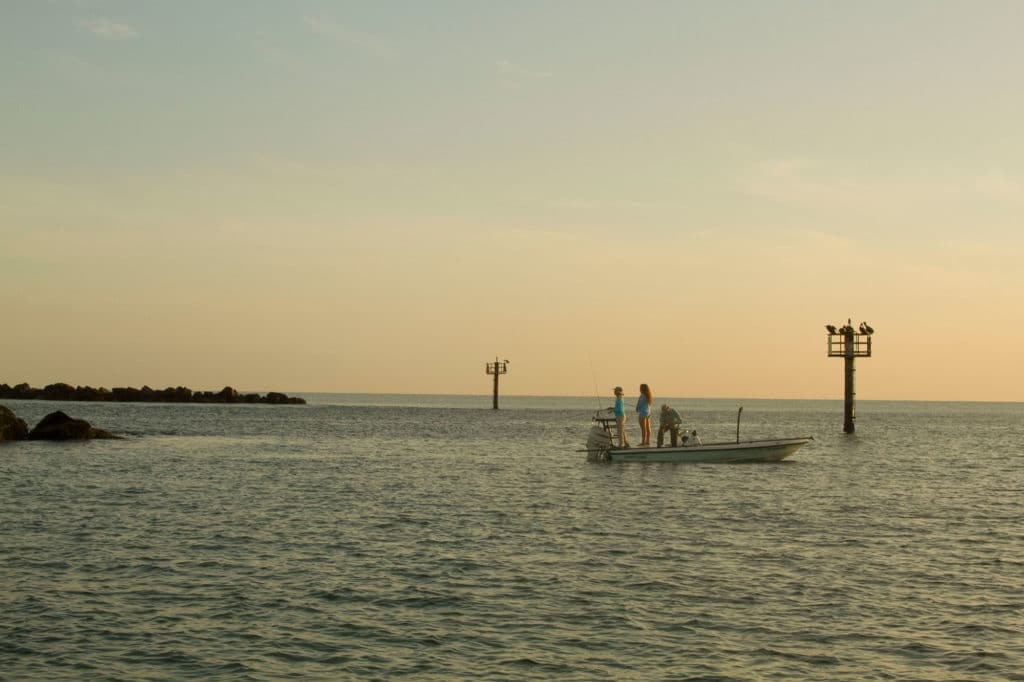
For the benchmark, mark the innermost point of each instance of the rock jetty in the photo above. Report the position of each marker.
(180, 394)
(54, 426)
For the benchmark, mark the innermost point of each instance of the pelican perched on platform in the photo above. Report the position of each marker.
(831, 329)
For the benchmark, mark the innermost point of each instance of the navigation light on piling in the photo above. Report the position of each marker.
(849, 343)
(497, 368)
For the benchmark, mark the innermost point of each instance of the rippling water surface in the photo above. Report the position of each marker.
(380, 537)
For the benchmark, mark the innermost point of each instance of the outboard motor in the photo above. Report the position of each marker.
(599, 441)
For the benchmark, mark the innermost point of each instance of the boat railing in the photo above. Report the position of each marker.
(607, 421)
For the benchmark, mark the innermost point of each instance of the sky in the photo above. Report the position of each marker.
(384, 196)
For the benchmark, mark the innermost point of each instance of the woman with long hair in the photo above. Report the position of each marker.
(643, 410)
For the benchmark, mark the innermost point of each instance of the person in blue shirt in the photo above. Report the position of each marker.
(620, 417)
(643, 413)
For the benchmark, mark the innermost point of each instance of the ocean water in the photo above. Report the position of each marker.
(432, 538)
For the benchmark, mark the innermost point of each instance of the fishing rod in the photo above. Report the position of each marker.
(597, 392)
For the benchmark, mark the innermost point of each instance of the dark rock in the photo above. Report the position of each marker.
(127, 395)
(59, 426)
(274, 398)
(59, 391)
(21, 391)
(227, 395)
(179, 394)
(88, 393)
(24, 391)
(11, 426)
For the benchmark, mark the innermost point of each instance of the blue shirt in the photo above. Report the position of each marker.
(620, 409)
(643, 407)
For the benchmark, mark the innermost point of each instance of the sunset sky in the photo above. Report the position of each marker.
(383, 196)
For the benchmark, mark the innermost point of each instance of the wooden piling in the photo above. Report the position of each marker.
(849, 392)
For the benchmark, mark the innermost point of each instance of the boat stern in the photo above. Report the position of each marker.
(599, 442)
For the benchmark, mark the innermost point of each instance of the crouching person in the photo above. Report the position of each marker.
(669, 420)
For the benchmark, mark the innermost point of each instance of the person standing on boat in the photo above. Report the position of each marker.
(620, 417)
(643, 413)
(670, 421)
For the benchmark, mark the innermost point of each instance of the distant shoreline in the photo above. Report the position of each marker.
(179, 394)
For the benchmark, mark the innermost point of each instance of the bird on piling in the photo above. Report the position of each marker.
(866, 328)
(831, 329)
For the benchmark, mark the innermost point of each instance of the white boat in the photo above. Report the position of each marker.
(603, 435)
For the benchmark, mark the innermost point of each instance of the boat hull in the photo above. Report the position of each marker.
(746, 451)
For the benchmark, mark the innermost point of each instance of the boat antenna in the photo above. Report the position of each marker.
(597, 393)
(740, 412)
